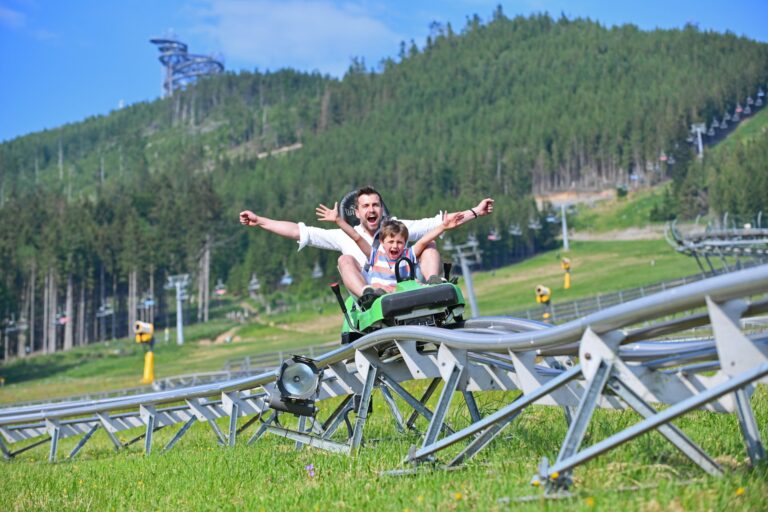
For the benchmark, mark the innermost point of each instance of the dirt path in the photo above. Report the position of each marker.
(646, 233)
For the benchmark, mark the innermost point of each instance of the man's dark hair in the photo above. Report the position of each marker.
(366, 191)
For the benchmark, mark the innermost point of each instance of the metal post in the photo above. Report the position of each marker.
(470, 288)
(564, 222)
(179, 316)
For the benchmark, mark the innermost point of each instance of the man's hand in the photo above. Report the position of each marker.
(327, 214)
(484, 207)
(248, 218)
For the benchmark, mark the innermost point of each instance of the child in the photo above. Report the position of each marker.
(393, 237)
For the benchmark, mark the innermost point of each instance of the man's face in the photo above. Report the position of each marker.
(368, 211)
(393, 246)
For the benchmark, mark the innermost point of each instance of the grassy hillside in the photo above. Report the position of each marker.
(596, 267)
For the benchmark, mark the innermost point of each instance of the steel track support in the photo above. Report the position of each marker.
(451, 384)
(183, 430)
(390, 401)
(338, 415)
(499, 416)
(110, 429)
(660, 418)
(12, 454)
(54, 430)
(233, 423)
(248, 423)
(673, 434)
(302, 428)
(262, 428)
(748, 426)
(309, 440)
(424, 399)
(578, 427)
(418, 405)
(482, 440)
(362, 411)
(216, 430)
(7, 455)
(149, 415)
(84, 440)
(474, 412)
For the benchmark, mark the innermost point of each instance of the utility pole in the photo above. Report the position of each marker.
(179, 283)
(564, 222)
(467, 254)
(697, 129)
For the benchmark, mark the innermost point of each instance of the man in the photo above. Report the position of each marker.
(368, 210)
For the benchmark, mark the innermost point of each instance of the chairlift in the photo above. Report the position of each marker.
(551, 218)
(317, 271)
(715, 123)
(750, 101)
(736, 117)
(671, 160)
(747, 110)
(711, 132)
(220, 288)
(759, 102)
(689, 139)
(724, 125)
(105, 310)
(254, 285)
(534, 224)
(739, 110)
(663, 157)
(287, 279)
(760, 92)
(515, 230)
(494, 235)
(726, 116)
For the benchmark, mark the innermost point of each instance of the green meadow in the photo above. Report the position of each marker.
(647, 474)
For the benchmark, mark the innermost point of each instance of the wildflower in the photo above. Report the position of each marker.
(740, 491)
(310, 470)
(457, 496)
(589, 501)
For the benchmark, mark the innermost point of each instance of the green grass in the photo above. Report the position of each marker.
(632, 211)
(270, 475)
(596, 267)
(748, 130)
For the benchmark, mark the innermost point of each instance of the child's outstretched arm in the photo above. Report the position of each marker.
(332, 215)
(449, 222)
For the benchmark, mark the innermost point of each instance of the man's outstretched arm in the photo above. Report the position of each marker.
(279, 227)
(483, 208)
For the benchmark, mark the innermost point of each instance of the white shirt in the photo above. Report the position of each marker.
(337, 240)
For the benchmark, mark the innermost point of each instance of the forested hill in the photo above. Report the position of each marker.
(503, 108)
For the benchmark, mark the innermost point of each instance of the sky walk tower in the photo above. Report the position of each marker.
(182, 67)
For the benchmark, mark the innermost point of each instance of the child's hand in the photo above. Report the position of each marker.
(451, 220)
(327, 214)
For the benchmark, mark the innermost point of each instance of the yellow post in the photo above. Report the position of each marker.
(544, 296)
(149, 368)
(144, 332)
(566, 264)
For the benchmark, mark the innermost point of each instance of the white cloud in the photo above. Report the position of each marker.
(302, 34)
(11, 18)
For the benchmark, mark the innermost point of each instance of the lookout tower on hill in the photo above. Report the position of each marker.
(182, 67)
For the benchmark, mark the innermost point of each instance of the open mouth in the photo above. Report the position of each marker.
(372, 218)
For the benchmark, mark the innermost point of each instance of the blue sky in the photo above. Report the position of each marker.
(62, 61)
